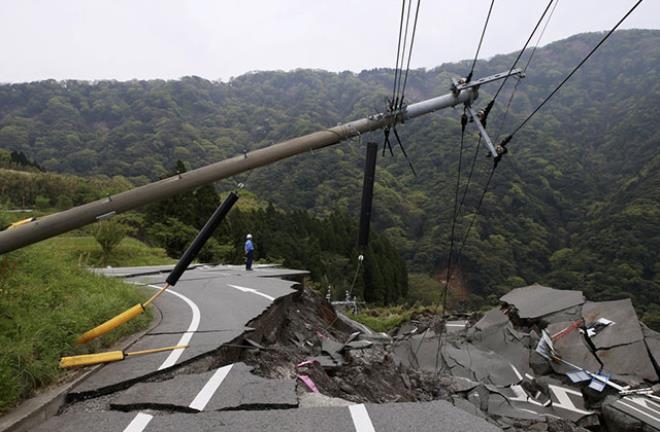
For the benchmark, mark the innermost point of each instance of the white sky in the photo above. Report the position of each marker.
(218, 39)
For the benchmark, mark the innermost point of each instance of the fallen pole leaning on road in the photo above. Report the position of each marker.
(181, 266)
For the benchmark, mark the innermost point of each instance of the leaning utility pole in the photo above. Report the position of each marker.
(58, 223)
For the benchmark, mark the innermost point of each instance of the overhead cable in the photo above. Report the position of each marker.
(412, 42)
(575, 69)
(538, 23)
(398, 53)
(464, 120)
(538, 41)
(502, 119)
(483, 32)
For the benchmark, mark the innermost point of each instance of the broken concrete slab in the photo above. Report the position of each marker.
(239, 389)
(419, 351)
(652, 340)
(508, 343)
(554, 400)
(500, 406)
(631, 413)
(493, 318)
(486, 366)
(572, 348)
(536, 301)
(458, 384)
(569, 314)
(332, 348)
(629, 362)
(626, 329)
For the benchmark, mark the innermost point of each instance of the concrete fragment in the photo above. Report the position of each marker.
(536, 301)
(360, 344)
(332, 348)
(631, 413)
(458, 384)
(485, 366)
(498, 405)
(509, 344)
(629, 362)
(626, 329)
(493, 318)
(652, 340)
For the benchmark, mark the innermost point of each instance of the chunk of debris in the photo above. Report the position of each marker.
(537, 301)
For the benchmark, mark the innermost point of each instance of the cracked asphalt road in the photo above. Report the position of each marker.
(185, 390)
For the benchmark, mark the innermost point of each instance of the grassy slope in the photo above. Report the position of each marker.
(47, 299)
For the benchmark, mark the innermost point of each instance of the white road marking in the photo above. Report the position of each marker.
(185, 338)
(140, 422)
(361, 419)
(253, 291)
(454, 324)
(565, 402)
(520, 378)
(628, 402)
(209, 389)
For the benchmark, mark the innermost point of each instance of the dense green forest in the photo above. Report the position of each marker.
(574, 204)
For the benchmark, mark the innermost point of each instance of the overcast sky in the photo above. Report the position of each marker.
(218, 39)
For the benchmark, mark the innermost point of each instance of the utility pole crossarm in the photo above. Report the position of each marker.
(58, 223)
(482, 131)
(460, 86)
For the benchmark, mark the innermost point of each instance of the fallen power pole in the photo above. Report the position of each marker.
(58, 223)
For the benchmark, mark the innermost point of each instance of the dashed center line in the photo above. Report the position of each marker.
(140, 422)
(253, 291)
(209, 389)
(361, 419)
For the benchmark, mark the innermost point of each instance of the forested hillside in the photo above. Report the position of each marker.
(574, 204)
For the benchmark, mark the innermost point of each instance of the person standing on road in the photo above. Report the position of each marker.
(249, 252)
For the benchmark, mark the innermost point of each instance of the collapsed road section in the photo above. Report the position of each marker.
(601, 373)
(301, 366)
(243, 373)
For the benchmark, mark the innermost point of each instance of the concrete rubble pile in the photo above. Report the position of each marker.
(498, 368)
(489, 368)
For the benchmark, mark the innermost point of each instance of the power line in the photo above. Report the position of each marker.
(464, 120)
(538, 41)
(523, 49)
(412, 42)
(576, 68)
(483, 32)
(398, 52)
(398, 102)
(529, 60)
(476, 213)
